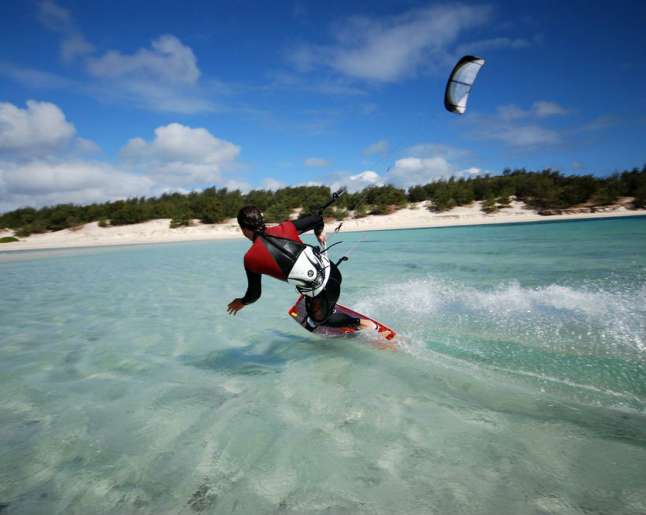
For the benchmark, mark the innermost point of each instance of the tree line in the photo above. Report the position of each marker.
(547, 191)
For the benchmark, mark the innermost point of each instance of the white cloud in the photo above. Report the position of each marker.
(163, 78)
(543, 108)
(540, 109)
(316, 162)
(87, 146)
(425, 162)
(38, 183)
(410, 171)
(234, 184)
(387, 50)
(380, 147)
(272, 184)
(36, 167)
(41, 162)
(357, 182)
(167, 60)
(181, 155)
(518, 127)
(36, 130)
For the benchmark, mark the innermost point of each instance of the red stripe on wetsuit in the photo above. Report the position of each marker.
(260, 259)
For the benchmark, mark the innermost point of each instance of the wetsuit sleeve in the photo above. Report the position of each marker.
(308, 223)
(254, 288)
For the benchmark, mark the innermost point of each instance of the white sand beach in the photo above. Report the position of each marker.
(417, 215)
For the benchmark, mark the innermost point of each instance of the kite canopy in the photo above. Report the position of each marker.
(460, 82)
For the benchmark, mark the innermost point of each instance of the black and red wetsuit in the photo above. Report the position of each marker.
(266, 257)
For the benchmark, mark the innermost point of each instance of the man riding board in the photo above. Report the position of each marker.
(279, 252)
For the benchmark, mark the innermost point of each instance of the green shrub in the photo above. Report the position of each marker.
(640, 197)
(380, 209)
(277, 212)
(361, 211)
(8, 239)
(104, 222)
(489, 205)
(341, 214)
(37, 227)
(180, 221)
(504, 201)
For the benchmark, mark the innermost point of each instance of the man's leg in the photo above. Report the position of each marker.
(320, 309)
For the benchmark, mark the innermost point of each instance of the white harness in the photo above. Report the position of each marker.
(310, 272)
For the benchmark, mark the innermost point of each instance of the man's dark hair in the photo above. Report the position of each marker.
(250, 217)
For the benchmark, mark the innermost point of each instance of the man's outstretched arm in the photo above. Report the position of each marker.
(254, 290)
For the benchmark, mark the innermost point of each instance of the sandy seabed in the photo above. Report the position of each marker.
(415, 216)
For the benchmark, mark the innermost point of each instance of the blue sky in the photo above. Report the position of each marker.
(103, 100)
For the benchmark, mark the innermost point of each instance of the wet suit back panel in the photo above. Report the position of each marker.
(334, 329)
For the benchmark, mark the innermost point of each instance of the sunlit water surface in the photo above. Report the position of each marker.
(519, 385)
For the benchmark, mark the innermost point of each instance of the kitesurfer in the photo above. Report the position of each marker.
(279, 252)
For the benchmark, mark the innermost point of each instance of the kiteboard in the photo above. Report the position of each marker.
(298, 313)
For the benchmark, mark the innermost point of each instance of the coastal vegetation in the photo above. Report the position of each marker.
(547, 191)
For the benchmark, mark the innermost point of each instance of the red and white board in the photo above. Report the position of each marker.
(298, 313)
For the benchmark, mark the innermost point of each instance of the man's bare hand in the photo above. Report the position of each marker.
(322, 238)
(234, 306)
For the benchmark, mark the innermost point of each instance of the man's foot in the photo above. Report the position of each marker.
(309, 324)
(368, 324)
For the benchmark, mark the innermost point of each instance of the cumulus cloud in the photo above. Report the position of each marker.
(38, 129)
(518, 127)
(87, 146)
(38, 183)
(272, 184)
(164, 77)
(380, 147)
(356, 182)
(387, 50)
(410, 171)
(316, 162)
(422, 163)
(42, 163)
(181, 155)
(168, 59)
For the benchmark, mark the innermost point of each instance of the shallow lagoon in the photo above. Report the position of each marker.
(519, 386)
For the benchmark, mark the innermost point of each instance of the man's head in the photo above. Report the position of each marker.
(250, 221)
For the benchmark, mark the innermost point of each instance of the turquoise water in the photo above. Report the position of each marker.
(519, 385)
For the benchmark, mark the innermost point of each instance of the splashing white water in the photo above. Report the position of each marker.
(587, 338)
(584, 320)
